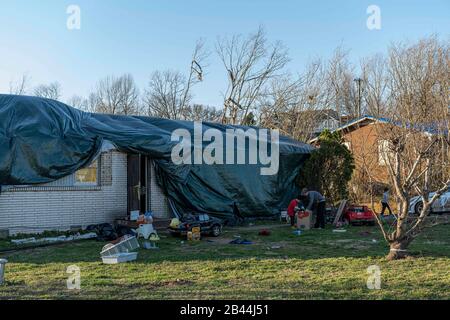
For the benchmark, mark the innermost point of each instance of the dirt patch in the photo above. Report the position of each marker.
(257, 227)
(219, 240)
(177, 282)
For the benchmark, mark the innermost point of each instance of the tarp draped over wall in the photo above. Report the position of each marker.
(42, 140)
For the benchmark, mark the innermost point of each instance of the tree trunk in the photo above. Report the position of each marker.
(398, 250)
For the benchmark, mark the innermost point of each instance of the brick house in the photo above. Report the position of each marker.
(362, 138)
(101, 192)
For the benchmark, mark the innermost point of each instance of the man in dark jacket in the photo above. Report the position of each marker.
(315, 201)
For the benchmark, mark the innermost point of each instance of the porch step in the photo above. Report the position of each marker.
(161, 223)
(158, 223)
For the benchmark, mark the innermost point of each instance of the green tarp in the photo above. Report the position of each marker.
(42, 140)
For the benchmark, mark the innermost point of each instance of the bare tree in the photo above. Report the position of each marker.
(19, 87)
(375, 78)
(169, 93)
(251, 63)
(89, 104)
(117, 96)
(415, 141)
(199, 112)
(343, 84)
(130, 104)
(49, 91)
(77, 102)
(166, 95)
(297, 105)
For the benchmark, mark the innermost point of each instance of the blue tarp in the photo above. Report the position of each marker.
(42, 140)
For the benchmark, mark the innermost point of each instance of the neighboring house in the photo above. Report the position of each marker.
(362, 139)
(106, 190)
(326, 119)
(312, 122)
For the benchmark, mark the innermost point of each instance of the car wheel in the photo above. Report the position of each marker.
(215, 230)
(418, 207)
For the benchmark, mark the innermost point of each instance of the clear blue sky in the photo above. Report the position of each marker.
(140, 36)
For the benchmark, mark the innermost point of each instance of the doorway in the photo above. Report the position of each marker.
(137, 170)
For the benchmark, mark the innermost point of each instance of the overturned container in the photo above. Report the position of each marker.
(120, 252)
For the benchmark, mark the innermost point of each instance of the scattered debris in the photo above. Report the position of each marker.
(24, 241)
(284, 216)
(78, 236)
(297, 232)
(194, 234)
(241, 241)
(304, 220)
(104, 231)
(340, 211)
(149, 245)
(339, 230)
(175, 223)
(134, 215)
(120, 251)
(120, 258)
(124, 244)
(146, 231)
(264, 232)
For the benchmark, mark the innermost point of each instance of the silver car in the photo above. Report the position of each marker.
(442, 204)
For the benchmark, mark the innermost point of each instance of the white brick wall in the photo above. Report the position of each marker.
(35, 211)
(158, 201)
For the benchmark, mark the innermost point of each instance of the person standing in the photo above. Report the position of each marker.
(292, 210)
(385, 202)
(316, 201)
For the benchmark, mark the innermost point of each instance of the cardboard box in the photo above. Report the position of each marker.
(304, 220)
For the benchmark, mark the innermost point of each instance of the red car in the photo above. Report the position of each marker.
(359, 215)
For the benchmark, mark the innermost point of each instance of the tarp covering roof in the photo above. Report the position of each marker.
(42, 140)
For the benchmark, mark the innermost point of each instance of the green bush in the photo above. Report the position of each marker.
(329, 168)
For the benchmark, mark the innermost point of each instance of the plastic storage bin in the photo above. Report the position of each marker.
(120, 258)
(126, 245)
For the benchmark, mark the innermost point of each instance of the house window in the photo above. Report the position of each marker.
(348, 145)
(383, 152)
(84, 179)
(87, 176)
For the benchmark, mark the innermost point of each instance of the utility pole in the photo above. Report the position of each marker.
(358, 81)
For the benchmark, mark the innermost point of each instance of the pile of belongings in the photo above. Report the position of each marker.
(107, 232)
(146, 230)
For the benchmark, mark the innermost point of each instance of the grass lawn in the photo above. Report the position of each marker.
(319, 264)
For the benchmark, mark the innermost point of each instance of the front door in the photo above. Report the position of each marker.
(137, 182)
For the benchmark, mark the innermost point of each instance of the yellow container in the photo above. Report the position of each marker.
(196, 235)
